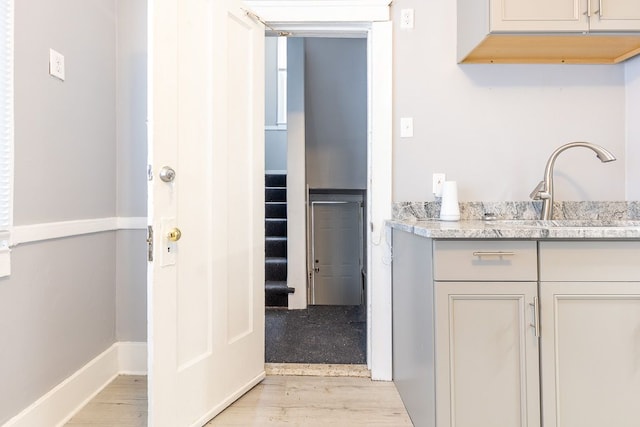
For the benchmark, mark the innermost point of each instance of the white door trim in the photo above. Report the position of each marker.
(348, 17)
(308, 11)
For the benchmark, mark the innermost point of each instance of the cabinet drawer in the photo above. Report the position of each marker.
(479, 260)
(590, 261)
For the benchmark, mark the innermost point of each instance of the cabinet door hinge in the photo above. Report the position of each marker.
(150, 243)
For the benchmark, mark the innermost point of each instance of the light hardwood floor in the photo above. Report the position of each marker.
(121, 403)
(276, 401)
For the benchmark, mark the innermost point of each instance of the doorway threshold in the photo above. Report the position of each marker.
(317, 370)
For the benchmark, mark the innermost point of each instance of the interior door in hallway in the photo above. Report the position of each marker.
(337, 248)
(205, 283)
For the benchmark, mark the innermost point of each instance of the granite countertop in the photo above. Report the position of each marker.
(521, 229)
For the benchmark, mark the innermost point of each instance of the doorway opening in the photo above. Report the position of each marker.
(316, 139)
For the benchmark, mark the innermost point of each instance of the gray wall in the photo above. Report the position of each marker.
(275, 140)
(56, 314)
(632, 75)
(58, 308)
(65, 131)
(270, 80)
(336, 112)
(492, 127)
(131, 108)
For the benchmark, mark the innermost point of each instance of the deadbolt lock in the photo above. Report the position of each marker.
(175, 234)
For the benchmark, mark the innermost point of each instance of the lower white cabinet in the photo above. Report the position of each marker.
(509, 333)
(590, 354)
(486, 354)
(590, 336)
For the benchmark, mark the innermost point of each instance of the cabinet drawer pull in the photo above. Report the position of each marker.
(490, 253)
(536, 316)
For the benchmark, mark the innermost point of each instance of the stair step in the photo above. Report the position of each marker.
(275, 210)
(275, 269)
(275, 247)
(275, 227)
(276, 293)
(275, 194)
(276, 289)
(275, 180)
(279, 287)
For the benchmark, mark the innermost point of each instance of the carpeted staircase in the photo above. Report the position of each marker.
(276, 289)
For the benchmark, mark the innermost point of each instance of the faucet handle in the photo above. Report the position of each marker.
(540, 192)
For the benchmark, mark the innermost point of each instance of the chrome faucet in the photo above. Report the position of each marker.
(544, 190)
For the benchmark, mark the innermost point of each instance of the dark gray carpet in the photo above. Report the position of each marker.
(319, 334)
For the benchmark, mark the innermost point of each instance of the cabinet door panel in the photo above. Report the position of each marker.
(486, 355)
(590, 354)
(539, 16)
(615, 15)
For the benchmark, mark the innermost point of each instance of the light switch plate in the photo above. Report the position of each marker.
(56, 64)
(406, 19)
(406, 127)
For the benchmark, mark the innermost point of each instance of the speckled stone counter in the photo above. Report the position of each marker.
(530, 210)
(522, 229)
(518, 220)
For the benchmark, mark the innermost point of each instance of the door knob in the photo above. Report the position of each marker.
(175, 234)
(167, 174)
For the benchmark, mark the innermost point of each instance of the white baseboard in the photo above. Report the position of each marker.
(132, 358)
(57, 406)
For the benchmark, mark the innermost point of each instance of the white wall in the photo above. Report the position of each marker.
(632, 75)
(296, 190)
(492, 127)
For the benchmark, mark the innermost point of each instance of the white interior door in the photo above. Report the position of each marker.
(336, 251)
(206, 290)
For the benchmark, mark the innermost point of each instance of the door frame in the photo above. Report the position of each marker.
(370, 19)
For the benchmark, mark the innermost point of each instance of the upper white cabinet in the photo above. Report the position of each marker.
(537, 16)
(565, 15)
(548, 31)
(615, 15)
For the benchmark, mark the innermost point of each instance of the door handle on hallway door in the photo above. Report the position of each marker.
(175, 234)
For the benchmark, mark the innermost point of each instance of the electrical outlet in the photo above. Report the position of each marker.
(406, 19)
(438, 182)
(56, 64)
